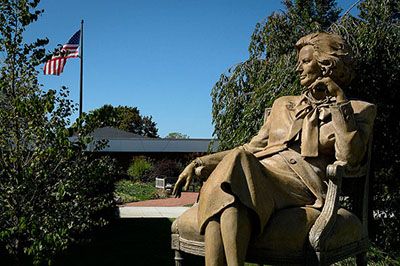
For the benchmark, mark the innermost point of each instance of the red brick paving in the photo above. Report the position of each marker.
(186, 199)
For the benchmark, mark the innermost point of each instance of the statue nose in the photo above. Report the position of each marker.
(299, 69)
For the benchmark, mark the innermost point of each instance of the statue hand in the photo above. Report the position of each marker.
(329, 86)
(184, 178)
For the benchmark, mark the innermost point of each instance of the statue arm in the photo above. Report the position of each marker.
(259, 141)
(203, 166)
(352, 130)
(200, 167)
(206, 164)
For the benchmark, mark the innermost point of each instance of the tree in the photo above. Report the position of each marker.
(51, 190)
(123, 117)
(240, 96)
(165, 168)
(375, 39)
(176, 135)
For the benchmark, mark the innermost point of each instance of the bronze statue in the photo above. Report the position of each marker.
(284, 164)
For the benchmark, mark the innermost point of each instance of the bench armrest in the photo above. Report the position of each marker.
(322, 227)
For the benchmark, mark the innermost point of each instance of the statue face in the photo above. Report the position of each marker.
(307, 66)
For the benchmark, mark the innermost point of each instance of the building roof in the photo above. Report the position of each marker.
(121, 141)
(114, 133)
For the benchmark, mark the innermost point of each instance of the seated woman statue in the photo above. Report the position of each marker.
(284, 164)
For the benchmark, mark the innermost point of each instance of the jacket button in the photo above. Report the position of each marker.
(292, 161)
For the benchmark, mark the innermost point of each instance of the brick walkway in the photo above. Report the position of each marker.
(187, 198)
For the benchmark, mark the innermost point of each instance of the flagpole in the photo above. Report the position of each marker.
(81, 74)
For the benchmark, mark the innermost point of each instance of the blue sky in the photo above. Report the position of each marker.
(162, 56)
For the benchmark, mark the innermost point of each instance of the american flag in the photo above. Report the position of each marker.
(55, 65)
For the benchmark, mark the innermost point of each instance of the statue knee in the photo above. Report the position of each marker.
(241, 152)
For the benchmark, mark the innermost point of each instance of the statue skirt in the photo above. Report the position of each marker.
(263, 186)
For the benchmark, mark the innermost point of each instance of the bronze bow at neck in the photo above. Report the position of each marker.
(308, 113)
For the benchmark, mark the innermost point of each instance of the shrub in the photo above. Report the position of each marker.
(165, 168)
(139, 168)
(129, 191)
(51, 190)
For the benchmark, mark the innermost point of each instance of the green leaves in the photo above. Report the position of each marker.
(129, 191)
(375, 38)
(51, 189)
(176, 135)
(139, 168)
(241, 95)
(123, 117)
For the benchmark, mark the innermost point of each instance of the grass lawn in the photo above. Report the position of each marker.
(129, 191)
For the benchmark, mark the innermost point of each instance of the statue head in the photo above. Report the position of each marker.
(331, 54)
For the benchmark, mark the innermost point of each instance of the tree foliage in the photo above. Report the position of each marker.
(375, 39)
(165, 168)
(139, 168)
(51, 190)
(176, 135)
(241, 95)
(123, 117)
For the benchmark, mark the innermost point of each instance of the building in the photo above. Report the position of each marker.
(124, 146)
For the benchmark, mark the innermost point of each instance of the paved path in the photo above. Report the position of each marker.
(159, 208)
(187, 198)
(151, 212)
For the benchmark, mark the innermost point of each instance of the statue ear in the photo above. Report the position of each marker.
(326, 67)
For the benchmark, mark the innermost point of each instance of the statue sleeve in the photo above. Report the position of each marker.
(352, 122)
(206, 164)
(259, 141)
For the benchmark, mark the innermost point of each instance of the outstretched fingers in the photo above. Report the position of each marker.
(178, 188)
(184, 178)
(188, 181)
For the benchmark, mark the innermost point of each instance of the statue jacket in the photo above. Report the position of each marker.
(343, 137)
